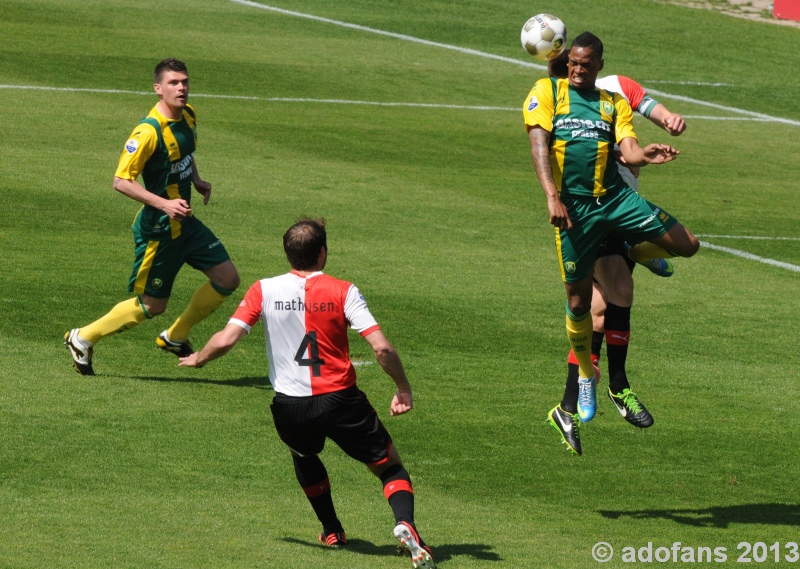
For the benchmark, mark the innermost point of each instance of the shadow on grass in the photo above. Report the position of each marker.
(256, 382)
(440, 552)
(720, 516)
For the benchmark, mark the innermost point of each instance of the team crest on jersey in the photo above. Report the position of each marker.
(569, 266)
(157, 283)
(606, 109)
(533, 103)
(132, 145)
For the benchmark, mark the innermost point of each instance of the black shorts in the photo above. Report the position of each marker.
(614, 244)
(346, 417)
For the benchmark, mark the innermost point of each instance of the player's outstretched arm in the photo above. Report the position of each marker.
(673, 123)
(217, 346)
(651, 154)
(387, 357)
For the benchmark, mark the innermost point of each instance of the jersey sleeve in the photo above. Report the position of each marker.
(138, 149)
(637, 96)
(539, 106)
(357, 312)
(249, 310)
(632, 91)
(623, 126)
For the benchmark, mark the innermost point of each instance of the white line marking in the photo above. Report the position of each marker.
(75, 90)
(698, 83)
(499, 58)
(724, 108)
(330, 101)
(269, 99)
(710, 118)
(754, 237)
(751, 257)
(391, 34)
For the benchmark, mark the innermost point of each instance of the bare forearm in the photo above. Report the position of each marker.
(633, 153)
(540, 152)
(673, 123)
(391, 364)
(217, 346)
(137, 192)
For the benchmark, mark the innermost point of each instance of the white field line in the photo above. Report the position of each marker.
(330, 101)
(695, 83)
(391, 34)
(751, 257)
(499, 58)
(753, 237)
(267, 99)
(334, 101)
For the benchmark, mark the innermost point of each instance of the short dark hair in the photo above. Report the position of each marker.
(304, 241)
(557, 67)
(588, 39)
(169, 64)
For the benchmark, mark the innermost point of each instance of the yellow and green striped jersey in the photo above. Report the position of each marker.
(161, 150)
(583, 126)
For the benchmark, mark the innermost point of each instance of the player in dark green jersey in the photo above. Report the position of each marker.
(166, 233)
(572, 128)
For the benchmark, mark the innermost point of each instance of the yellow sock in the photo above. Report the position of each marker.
(643, 252)
(123, 316)
(205, 301)
(579, 332)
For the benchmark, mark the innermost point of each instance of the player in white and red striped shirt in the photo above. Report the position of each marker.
(306, 314)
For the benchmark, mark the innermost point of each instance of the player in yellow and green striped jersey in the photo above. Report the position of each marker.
(166, 233)
(572, 127)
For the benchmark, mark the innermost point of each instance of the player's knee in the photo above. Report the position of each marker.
(695, 245)
(691, 247)
(579, 306)
(623, 293)
(227, 282)
(155, 308)
(234, 281)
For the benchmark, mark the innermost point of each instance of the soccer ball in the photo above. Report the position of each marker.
(544, 36)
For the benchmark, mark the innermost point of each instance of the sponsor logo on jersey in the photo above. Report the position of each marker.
(132, 145)
(182, 166)
(583, 128)
(214, 244)
(533, 103)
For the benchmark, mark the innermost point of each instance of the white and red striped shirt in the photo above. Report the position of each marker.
(305, 328)
(633, 92)
(639, 101)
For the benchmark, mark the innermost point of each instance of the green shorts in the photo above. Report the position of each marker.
(624, 212)
(157, 262)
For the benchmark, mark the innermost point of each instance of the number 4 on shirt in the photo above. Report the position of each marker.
(310, 342)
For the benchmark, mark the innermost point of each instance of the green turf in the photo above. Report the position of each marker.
(436, 214)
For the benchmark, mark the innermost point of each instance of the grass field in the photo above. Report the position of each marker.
(417, 157)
